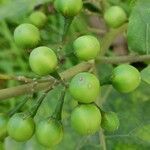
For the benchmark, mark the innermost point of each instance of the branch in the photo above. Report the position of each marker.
(123, 59)
(102, 140)
(38, 86)
(110, 37)
(17, 78)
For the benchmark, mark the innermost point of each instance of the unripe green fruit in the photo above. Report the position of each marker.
(38, 19)
(68, 8)
(49, 132)
(27, 35)
(125, 78)
(43, 61)
(86, 47)
(84, 87)
(3, 125)
(20, 127)
(115, 16)
(86, 119)
(110, 121)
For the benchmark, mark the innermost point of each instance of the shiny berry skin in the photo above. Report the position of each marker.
(38, 19)
(3, 125)
(43, 61)
(86, 47)
(86, 119)
(125, 78)
(49, 132)
(27, 35)
(68, 8)
(115, 16)
(110, 121)
(20, 127)
(84, 87)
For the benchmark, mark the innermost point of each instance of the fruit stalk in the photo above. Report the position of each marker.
(35, 108)
(19, 106)
(58, 111)
(124, 59)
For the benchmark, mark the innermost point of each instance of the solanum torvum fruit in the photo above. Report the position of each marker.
(43, 60)
(68, 8)
(110, 121)
(115, 16)
(86, 119)
(125, 78)
(49, 132)
(84, 87)
(27, 35)
(21, 127)
(38, 19)
(86, 47)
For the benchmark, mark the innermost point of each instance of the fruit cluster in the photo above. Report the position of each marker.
(87, 117)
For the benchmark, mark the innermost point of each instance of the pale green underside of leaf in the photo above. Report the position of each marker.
(145, 74)
(139, 28)
(143, 133)
(15, 8)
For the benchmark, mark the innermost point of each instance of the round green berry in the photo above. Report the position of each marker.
(27, 35)
(20, 127)
(115, 16)
(125, 78)
(84, 87)
(38, 19)
(86, 119)
(49, 132)
(43, 61)
(86, 47)
(110, 121)
(68, 8)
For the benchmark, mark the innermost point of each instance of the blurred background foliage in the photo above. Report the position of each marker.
(132, 109)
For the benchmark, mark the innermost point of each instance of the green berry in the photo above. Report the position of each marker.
(86, 47)
(115, 16)
(86, 119)
(110, 121)
(84, 87)
(38, 19)
(27, 35)
(43, 61)
(49, 132)
(20, 127)
(125, 78)
(68, 8)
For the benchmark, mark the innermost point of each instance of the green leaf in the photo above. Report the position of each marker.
(104, 72)
(145, 74)
(139, 28)
(143, 133)
(17, 8)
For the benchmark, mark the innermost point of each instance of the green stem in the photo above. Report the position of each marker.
(102, 140)
(17, 78)
(58, 111)
(110, 37)
(67, 24)
(35, 108)
(18, 107)
(8, 35)
(29, 89)
(123, 59)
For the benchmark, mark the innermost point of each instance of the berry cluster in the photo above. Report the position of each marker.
(87, 117)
